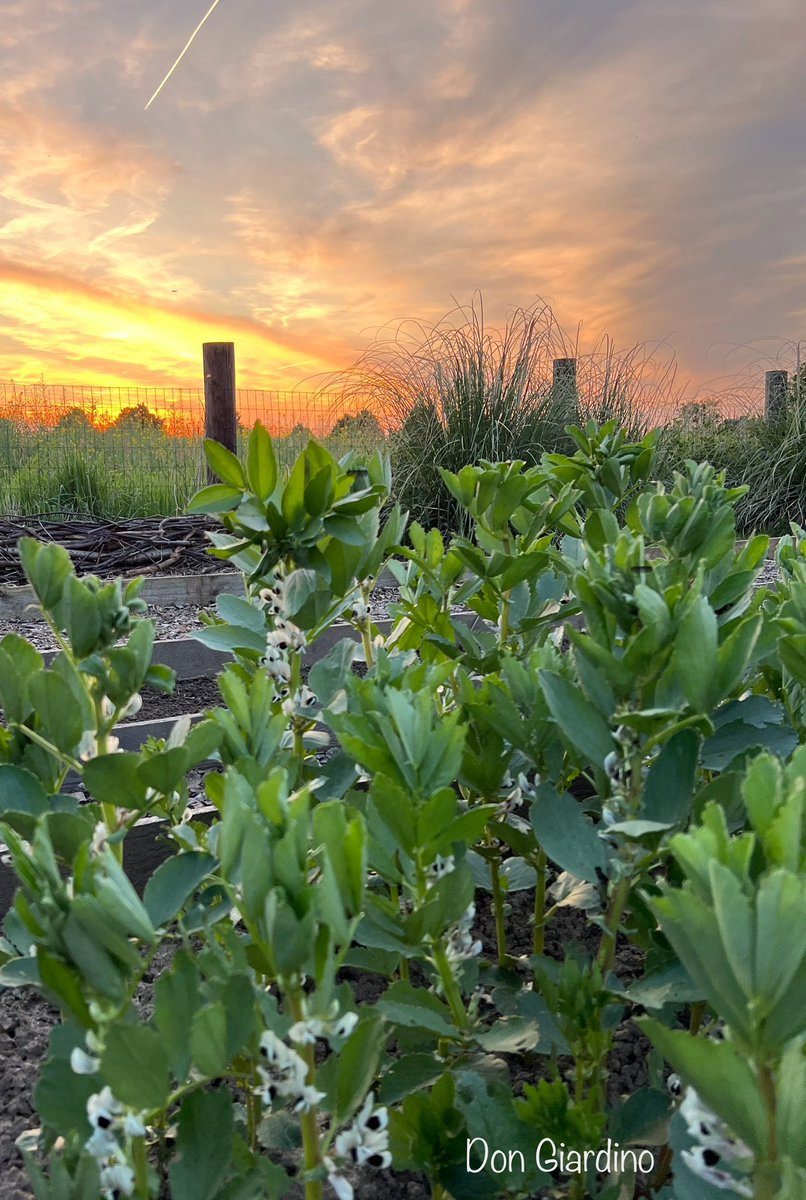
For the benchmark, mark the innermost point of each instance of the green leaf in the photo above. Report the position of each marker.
(567, 837)
(695, 654)
(81, 616)
(739, 736)
(328, 676)
(579, 721)
(346, 1077)
(19, 972)
(415, 1008)
(21, 792)
(176, 999)
(299, 585)
(218, 497)
(56, 706)
(510, 1035)
(204, 1145)
(261, 464)
(225, 464)
(236, 610)
(61, 1096)
(669, 786)
(208, 1040)
(173, 882)
(230, 637)
(721, 1076)
(165, 770)
(47, 567)
(638, 829)
(65, 984)
(642, 1119)
(668, 985)
(115, 779)
(791, 1089)
(134, 1064)
(407, 1075)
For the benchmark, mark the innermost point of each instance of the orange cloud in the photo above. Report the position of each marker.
(75, 332)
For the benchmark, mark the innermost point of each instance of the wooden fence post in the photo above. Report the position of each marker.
(220, 420)
(775, 388)
(564, 384)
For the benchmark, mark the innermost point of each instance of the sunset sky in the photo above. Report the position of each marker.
(314, 170)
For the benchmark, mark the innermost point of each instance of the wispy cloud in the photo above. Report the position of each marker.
(327, 167)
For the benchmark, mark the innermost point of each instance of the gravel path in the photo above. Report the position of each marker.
(173, 621)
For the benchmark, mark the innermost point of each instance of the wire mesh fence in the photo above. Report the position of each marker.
(137, 451)
(121, 452)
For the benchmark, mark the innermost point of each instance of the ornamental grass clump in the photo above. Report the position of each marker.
(455, 393)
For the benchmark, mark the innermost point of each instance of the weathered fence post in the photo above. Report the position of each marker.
(564, 385)
(220, 420)
(775, 388)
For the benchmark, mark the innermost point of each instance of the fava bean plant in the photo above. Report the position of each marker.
(584, 702)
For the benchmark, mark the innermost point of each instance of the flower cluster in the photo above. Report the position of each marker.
(460, 944)
(285, 637)
(334, 1025)
(284, 1075)
(716, 1152)
(518, 795)
(109, 1119)
(364, 1143)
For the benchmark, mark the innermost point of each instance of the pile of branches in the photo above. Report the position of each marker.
(108, 548)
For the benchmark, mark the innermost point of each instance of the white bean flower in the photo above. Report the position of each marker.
(83, 1063)
(333, 1025)
(709, 1130)
(284, 1075)
(117, 1179)
(305, 1032)
(704, 1163)
(716, 1152)
(342, 1187)
(88, 746)
(366, 1142)
(103, 1109)
(460, 945)
(344, 1025)
(440, 867)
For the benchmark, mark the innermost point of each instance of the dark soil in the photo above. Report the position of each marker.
(191, 696)
(188, 696)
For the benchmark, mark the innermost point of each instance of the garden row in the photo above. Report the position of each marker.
(616, 734)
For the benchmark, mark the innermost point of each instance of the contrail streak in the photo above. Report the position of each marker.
(183, 52)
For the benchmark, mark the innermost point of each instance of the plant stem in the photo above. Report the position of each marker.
(498, 910)
(663, 1169)
(38, 740)
(394, 896)
(109, 810)
(695, 1017)
(450, 986)
(140, 1159)
(539, 935)
(618, 902)
(438, 1191)
(366, 642)
(308, 1120)
(293, 689)
(766, 1175)
(251, 1116)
